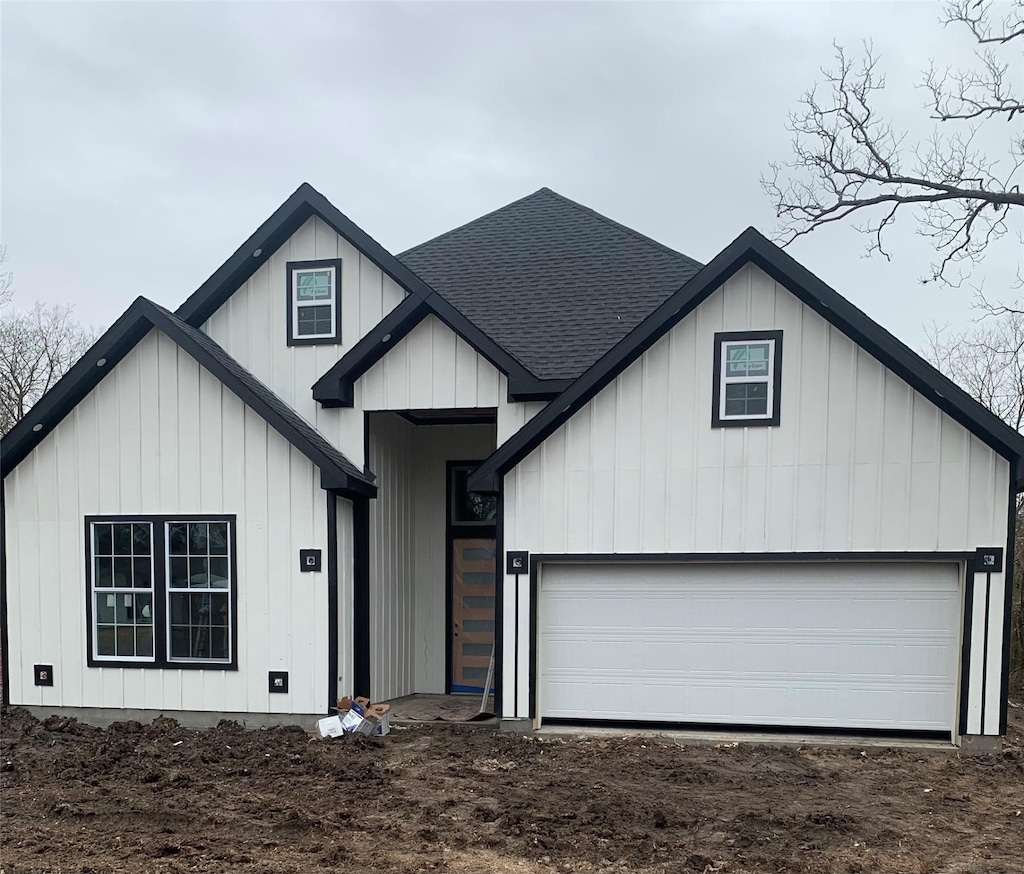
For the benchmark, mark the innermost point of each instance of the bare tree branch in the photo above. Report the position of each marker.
(6, 279)
(851, 163)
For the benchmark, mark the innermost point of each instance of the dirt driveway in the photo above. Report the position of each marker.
(166, 799)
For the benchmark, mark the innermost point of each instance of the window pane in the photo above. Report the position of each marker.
(218, 538)
(122, 539)
(199, 612)
(477, 579)
(125, 640)
(178, 539)
(477, 625)
(219, 643)
(140, 536)
(104, 572)
(477, 602)
(179, 573)
(746, 359)
(105, 640)
(314, 320)
(198, 573)
(478, 555)
(179, 609)
(124, 609)
(180, 648)
(476, 649)
(143, 609)
(105, 608)
(746, 399)
(218, 608)
(219, 572)
(102, 542)
(144, 641)
(143, 573)
(197, 538)
(313, 286)
(123, 572)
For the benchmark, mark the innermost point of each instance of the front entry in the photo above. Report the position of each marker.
(471, 581)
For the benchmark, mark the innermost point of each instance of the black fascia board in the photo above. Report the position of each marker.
(752, 247)
(138, 320)
(536, 389)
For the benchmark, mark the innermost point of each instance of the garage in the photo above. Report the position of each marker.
(832, 645)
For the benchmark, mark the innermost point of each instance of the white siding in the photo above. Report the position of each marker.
(392, 593)
(346, 590)
(431, 368)
(252, 327)
(860, 461)
(160, 435)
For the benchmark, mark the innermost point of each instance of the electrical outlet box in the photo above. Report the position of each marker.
(43, 674)
(278, 681)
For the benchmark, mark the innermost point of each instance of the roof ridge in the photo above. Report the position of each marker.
(473, 221)
(621, 227)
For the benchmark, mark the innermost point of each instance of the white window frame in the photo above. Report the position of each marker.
(115, 590)
(768, 380)
(296, 305)
(171, 590)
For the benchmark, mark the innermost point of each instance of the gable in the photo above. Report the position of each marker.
(752, 248)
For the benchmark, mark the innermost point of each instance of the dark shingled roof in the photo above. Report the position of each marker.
(552, 282)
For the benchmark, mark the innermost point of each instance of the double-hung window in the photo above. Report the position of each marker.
(747, 379)
(313, 297)
(161, 592)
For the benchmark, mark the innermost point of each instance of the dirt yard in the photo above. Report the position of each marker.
(166, 799)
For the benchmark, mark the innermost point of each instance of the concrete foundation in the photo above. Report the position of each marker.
(515, 726)
(102, 717)
(980, 745)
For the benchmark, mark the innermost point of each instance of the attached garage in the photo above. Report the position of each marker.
(834, 645)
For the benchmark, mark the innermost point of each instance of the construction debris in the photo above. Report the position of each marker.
(356, 716)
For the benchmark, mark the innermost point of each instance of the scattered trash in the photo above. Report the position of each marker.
(356, 716)
(177, 743)
(927, 790)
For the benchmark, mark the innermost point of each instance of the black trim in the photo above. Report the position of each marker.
(984, 650)
(5, 646)
(332, 602)
(458, 531)
(361, 596)
(739, 728)
(1008, 572)
(499, 605)
(417, 418)
(708, 558)
(289, 268)
(336, 471)
(752, 248)
(159, 545)
(965, 647)
(716, 380)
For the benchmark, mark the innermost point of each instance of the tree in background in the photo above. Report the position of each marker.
(850, 162)
(987, 361)
(37, 348)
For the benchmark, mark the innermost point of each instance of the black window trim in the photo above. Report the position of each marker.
(290, 268)
(159, 546)
(774, 419)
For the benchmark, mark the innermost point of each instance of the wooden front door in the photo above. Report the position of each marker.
(473, 566)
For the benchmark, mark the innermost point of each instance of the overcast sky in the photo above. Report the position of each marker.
(143, 142)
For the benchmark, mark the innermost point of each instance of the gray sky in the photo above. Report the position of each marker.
(141, 143)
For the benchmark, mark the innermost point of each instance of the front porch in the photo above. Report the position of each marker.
(431, 562)
(461, 709)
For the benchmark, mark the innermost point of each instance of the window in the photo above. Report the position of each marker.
(747, 379)
(161, 592)
(313, 294)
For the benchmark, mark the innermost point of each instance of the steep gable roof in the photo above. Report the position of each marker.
(552, 282)
(336, 471)
(752, 248)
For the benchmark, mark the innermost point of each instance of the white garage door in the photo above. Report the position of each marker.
(850, 645)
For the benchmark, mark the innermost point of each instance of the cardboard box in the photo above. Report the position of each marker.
(330, 726)
(359, 716)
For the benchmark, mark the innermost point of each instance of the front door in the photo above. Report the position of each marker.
(472, 565)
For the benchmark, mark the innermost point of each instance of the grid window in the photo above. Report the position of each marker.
(161, 592)
(313, 301)
(747, 379)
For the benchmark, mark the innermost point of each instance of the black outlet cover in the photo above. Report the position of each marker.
(989, 560)
(309, 560)
(278, 681)
(43, 674)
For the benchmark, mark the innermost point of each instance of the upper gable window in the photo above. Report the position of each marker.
(747, 378)
(314, 292)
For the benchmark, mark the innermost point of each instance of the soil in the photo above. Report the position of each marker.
(163, 798)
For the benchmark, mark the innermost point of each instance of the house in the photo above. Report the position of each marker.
(660, 492)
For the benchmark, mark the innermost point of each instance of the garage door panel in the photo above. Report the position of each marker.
(854, 646)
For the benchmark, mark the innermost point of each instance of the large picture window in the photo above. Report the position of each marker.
(162, 592)
(747, 379)
(313, 295)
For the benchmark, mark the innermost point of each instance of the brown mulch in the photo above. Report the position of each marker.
(163, 798)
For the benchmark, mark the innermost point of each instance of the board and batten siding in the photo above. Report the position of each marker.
(252, 327)
(860, 462)
(160, 435)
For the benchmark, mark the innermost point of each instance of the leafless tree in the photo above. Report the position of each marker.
(850, 162)
(6, 279)
(37, 348)
(987, 361)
